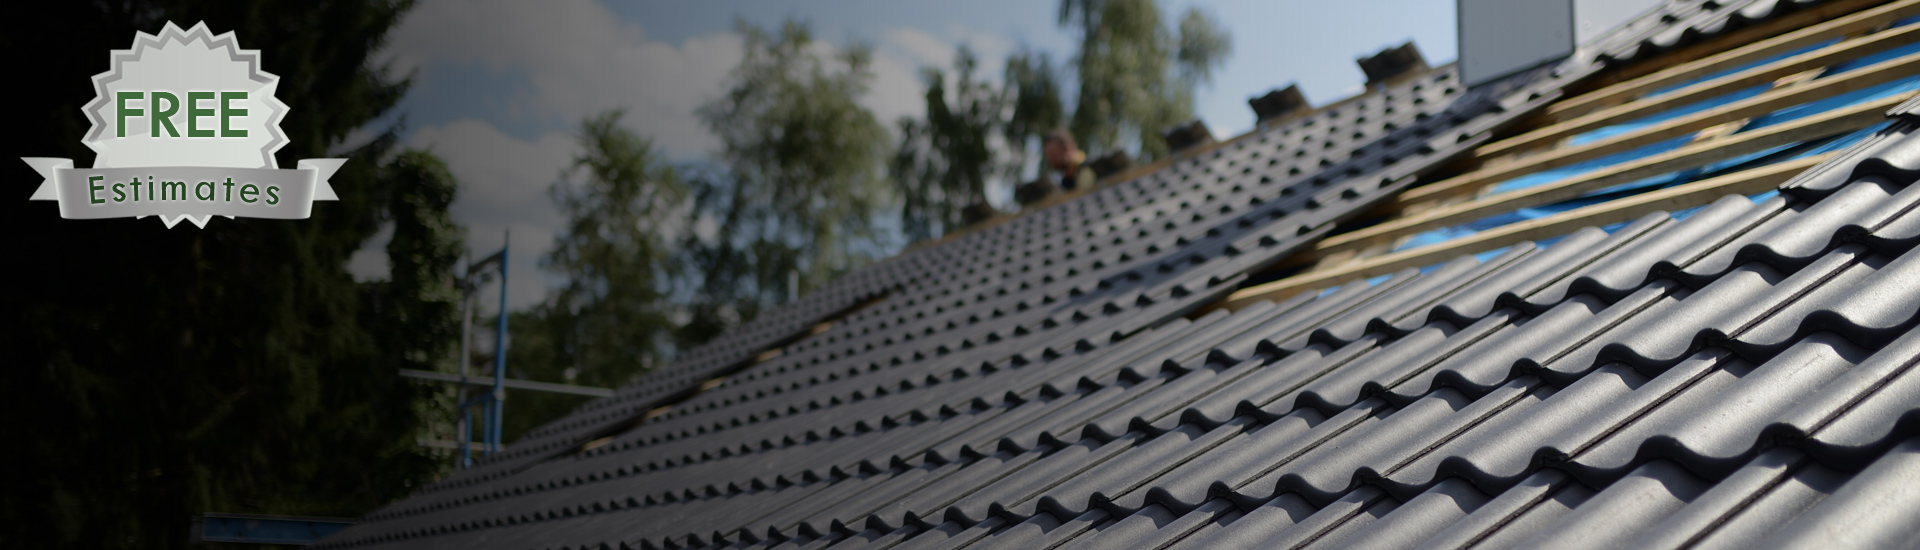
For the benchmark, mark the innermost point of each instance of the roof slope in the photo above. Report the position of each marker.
(1741, 373)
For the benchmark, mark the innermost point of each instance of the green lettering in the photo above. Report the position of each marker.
(249, 193)
(119, 192)
(194, 112)
(123, 112)
(164, 117)
(173, 191)
(273, 195)
(203, 191)
(93, 188)
(227, 113)
(229, 189)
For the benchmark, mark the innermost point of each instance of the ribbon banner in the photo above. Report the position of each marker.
(191, 192)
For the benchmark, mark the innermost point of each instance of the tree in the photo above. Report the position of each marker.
(944, 161)
(157, 373)
(622, 216)
(1034, 85)
(799, 184)
(414, 314)
(1137, 77)
(614, 318)
(660, 258)
(947, 159)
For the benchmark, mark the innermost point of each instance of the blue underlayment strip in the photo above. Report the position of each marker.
(1564, 172)
(1743, 162)
(1903, 86)
(1605, 132)
(1907, 85)
(1680, 177)
(1771, 59)
(1869, 59)
(1897, 87)
(1838, 68)
(1725, 72)
(1739, 163)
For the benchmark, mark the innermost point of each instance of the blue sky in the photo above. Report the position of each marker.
(501, 85)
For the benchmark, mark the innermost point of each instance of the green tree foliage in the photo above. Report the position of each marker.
(659, 258)
(1137, 76)
(413, 314)
(541, 349)
(944, 160)
(425, 247)
(613, 319)
(624, 204)
(156, 373)
(1035, 87)
(947, 159)
(800, 181)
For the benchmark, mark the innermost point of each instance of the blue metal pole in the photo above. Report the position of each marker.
(466, 434)
(500, 355)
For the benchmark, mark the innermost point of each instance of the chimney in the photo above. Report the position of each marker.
(1392, 63)
(1278, 103)
(1502, 37)
(1186, 136)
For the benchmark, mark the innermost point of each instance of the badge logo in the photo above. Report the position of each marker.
(185, 125)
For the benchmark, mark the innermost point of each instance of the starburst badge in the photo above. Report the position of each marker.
(185, 125)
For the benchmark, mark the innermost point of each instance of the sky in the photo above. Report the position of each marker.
(500, 86)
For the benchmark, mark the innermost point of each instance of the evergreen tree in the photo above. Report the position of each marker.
(158, 373)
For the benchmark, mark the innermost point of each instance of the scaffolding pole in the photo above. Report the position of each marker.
(491, 405)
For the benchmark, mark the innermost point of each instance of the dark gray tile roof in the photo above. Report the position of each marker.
(1109, 264)
(1682, 23)
(1739, 376)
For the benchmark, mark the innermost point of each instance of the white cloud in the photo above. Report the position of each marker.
(926, 48)
(369, 263)
(896, 91)
(579, 59)
(903, 52)
(503, 185)
(992, 49)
